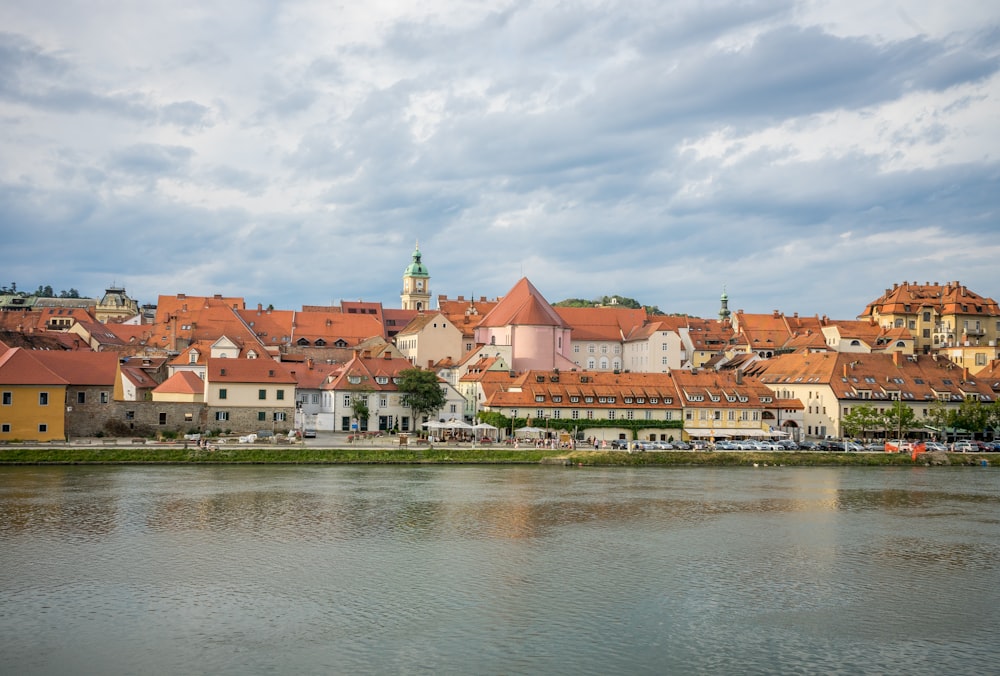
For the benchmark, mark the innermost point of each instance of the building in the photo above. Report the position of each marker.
(538, 337)
(32, 398)
(937, 315)
(416, 293)
(830, 384)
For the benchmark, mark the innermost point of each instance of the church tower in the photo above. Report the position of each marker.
(724, 312)
(416, 285)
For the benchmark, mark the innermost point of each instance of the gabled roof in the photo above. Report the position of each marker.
(182, 382)
(82, 368)
(525, 306)
(945, 299)
(368, 371)
(264, 370)
(601, 323)
(21, 367)
(138, 377)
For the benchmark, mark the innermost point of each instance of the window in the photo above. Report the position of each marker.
(223, 393)
(347, 400)
(129, 415)
(81, 397)
(163, 418)
(557, 414)
(5, 428)
(576, 349)
(43, 428)
(279, 416)
(574, 414)
(591, 349)
(222, 416)
(383, 401)
(8, 398)
(280, 395)
(539, 413)
(980, 359)
(43, 398)
(189, 417)
(261, 416)
(262, 394)
(104, 397)
(668, 415)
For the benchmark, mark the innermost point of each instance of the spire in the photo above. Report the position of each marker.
(724, 307)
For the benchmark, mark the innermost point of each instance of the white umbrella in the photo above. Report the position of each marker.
(484, 427)
(529, 430)
(434, 425)
(455, 424)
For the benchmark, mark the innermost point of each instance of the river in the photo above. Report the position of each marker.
(499, 570)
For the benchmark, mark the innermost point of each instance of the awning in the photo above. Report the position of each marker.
(707, 433)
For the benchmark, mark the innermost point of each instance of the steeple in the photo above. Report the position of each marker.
(416, 284)
(724, 307)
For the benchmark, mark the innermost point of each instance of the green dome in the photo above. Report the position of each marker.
(416, 268)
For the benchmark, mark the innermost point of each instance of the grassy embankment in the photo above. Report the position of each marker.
(447, 456)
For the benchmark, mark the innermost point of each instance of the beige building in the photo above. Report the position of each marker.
(416, 285)
(429, 339)
(938, 315)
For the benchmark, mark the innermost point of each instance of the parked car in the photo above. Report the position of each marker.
(309, 433)
(682, 446)
(619, 444)
(964, 447)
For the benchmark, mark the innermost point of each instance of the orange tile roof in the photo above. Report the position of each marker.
(946, 299)
(82, 368)
(248, 371)
(875, 376)
(21, 367)
(182, 382)
(601, 323)
(523, 305)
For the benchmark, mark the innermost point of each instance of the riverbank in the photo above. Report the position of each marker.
(74, 455)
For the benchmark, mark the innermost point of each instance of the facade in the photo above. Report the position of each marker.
(428, 339)
(115, 306)
(538, 338)
(592, 403)
(938, 315)
(830, 384)
(249, 394)
(32, 398)
(373, 381)
(726, 404)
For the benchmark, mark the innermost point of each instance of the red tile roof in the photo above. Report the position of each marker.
(523, 305)
(21, 367)
(182, 382)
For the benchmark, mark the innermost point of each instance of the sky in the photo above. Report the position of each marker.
(802, 156)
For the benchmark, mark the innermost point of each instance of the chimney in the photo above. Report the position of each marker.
(259, 309)
(896, 357)
(309, 363)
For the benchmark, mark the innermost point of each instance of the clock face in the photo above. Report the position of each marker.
(420, 284)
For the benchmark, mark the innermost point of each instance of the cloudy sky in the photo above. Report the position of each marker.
(802, 155)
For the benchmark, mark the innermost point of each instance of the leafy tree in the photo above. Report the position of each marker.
(940, 417)
(44, 292)
(359, 406)
(72, 293)
(421, 392)
(861, 419)
(972, 416)
(899, 418)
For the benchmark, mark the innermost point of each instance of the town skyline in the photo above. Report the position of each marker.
(790, 152)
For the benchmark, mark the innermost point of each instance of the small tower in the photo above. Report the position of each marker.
(724, 307)
(416, 285)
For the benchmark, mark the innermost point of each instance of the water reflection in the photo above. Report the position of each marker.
(497, 570)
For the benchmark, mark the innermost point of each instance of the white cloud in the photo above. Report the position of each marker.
(650, 149)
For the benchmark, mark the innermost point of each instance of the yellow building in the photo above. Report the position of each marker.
(938, 315)
(32, 399)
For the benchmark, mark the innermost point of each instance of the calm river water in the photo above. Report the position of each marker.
(499, 570)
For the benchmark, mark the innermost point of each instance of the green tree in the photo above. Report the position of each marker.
(359, 406)
(940, 418)
(899, 419)
(422, 393)
(861, 419)
(72, 293)
(972, 416)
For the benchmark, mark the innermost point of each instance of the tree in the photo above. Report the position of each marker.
(861, 419)
(72, 293)
(421, 392)
(940, 418)
(972, 416)
(900, 418)
(359, 406)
